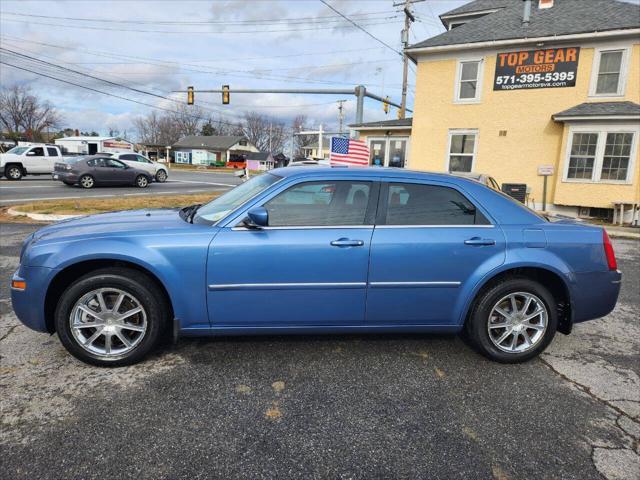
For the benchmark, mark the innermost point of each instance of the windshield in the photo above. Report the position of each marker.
(18, 150)
(217, 209)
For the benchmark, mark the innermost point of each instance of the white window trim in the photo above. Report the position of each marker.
(387, 143)
(602, 131)
(456, 92)
(455, 131)
(624, 71)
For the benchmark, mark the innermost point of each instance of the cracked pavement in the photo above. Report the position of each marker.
(409, 406)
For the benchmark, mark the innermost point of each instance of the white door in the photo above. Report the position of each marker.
(35, 161)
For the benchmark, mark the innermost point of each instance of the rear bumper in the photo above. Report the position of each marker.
(28, 304)
(595, 294)
(65, 176)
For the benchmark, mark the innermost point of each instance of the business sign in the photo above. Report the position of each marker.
(545, 170)
(547, 68)
(117, 144)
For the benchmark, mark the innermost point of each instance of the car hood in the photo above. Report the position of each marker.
(7, 157)
(114, 224)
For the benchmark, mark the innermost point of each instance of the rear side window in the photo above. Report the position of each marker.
(321, 204)
(417, 204)
(53, 152)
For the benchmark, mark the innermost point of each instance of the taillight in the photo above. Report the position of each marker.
(608, 251)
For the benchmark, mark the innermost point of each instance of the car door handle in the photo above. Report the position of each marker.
(477, 241)
(346, 242)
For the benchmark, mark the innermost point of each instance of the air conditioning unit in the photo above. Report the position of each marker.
(516, 190)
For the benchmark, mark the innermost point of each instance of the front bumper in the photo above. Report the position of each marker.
(29, 304)
(595, 294)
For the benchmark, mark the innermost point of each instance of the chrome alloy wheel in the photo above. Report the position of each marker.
(87, 181)
(14, 173)
(161, 176)
(108, 322)
(517, 322)
(142, 181)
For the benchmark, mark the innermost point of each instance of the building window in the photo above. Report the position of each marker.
(468, 81)
(617, 153)
(602, 155)
(388, 151)
(609, 72)
(462, 148)
(583, 155)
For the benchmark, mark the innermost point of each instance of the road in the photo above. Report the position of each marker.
(348, 407)
(35, 188)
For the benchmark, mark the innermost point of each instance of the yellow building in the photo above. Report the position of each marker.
(514, 93)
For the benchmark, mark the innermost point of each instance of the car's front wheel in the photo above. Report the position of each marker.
(513, 320)
(161, 176)
(111, 317)
(142, 181)
(13, 172)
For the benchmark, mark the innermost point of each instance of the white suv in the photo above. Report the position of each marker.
(155, 169)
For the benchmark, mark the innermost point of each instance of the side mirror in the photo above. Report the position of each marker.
(257, 217)
(31, 154)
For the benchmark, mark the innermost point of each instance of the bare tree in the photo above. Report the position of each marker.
(299, 124)
(266, 133)
(24, 114)
(188, 120)
(155, 129)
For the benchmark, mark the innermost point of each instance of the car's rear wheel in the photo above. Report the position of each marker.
(513, 320)
(13, 172)
(142, 181)
(87, 181)
(161, 176)
(112, 317)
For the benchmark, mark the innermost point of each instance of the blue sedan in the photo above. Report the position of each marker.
(318, 250)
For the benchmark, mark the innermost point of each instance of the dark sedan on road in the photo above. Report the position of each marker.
(318, 250)
(93, 171)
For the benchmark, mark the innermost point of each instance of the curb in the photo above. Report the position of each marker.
(631, 236)
(41, 217)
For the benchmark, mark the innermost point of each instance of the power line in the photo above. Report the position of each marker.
(189, 32)
(108, 94)
(361, 28)
(288, 21)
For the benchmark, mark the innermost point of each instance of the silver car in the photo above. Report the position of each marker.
(157, 171)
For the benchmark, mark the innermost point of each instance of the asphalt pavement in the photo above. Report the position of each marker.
(344, 407)
(42, 187)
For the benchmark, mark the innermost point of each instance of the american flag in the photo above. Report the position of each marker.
(346, 151)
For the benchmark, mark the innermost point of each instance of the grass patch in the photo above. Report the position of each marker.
(87, 206)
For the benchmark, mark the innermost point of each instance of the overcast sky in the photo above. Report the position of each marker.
(160, 46)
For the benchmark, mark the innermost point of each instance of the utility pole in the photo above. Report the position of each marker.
(341, 113)
(408, 20)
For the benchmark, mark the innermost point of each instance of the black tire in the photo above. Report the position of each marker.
(13, 172)
(133, 282)
(161, 176)
(142, 181)
(87, 181)
(477, 325)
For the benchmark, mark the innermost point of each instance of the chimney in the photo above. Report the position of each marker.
(527, 13)
(542, 4)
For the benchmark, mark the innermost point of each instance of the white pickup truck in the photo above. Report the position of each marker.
(29, 160)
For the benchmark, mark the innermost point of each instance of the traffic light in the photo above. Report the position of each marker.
(225, 95)
(190, 96)
(385, 105)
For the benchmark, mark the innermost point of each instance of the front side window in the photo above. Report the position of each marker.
(583, 155)
(609, 72)
(601, 156)
(141, 159)
(36, 152)
(129, 157)
(461, 151)
(321, 204)
(114, 163)
(418, 204)
(468, 81)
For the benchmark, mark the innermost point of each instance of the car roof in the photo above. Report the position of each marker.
(362, 171)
